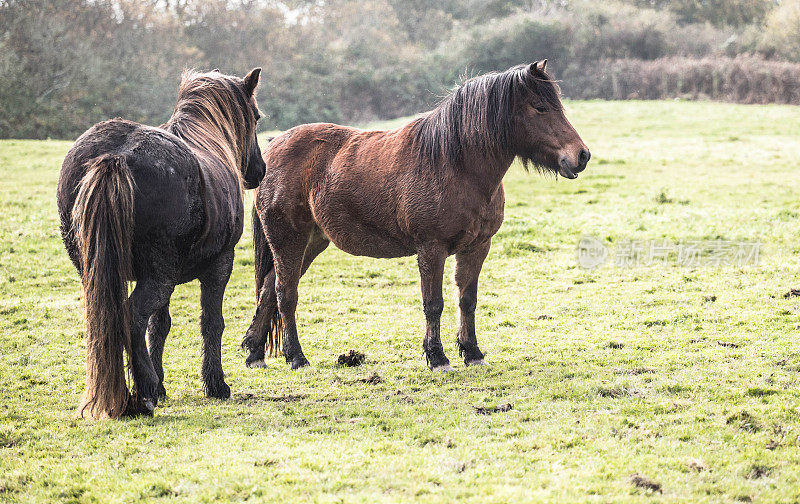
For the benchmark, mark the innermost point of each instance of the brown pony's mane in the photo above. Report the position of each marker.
(214, 117)
(479, 114)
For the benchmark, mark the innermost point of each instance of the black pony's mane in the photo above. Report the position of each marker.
(479, 114)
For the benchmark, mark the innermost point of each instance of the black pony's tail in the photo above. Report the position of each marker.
(264, 264)
(102, 220)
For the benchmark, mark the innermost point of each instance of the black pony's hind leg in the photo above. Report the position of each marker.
(212, 324)
(157, 330)
(146, 298)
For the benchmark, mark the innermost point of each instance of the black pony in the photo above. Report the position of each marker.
(158, 206)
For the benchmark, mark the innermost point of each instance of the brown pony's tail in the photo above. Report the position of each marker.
(102, 219)
(264, 264)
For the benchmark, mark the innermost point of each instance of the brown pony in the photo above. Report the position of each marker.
(158, 206)
(431, 188)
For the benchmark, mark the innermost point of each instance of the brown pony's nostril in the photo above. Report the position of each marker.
(584, 156)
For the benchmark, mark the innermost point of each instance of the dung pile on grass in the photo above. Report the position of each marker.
(352, 358)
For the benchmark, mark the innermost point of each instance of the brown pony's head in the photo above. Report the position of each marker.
(516, 113)
(218, 115)
(542, 135)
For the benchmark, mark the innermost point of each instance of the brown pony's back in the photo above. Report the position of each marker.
(337, 169)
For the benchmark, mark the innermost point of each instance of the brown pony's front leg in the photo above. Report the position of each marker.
(468, 268)
(430, 259)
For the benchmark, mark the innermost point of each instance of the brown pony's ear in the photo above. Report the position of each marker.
(536, 68)
(252, 79)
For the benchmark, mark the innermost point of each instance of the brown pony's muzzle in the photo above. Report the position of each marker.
(570, 169)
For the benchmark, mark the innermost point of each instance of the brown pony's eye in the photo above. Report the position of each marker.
(540, 109)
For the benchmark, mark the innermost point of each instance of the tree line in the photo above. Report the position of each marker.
(66, 64)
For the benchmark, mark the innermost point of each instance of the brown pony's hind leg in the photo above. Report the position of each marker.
(261, 337)
(468, 268)
(260, 329)
(288, 246)
(430, 259)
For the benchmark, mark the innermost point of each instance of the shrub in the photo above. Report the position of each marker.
(782, 31)
(744, 79)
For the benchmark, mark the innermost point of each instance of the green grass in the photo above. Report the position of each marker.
(626, 377)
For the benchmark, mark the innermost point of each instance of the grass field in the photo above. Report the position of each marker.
(686, 376)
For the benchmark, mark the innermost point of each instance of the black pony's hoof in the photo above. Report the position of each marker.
(218, 389)
(300, 362)
(149, 406)
(138, 406)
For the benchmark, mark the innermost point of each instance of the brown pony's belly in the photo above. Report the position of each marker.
(361, 239)
(359, 222)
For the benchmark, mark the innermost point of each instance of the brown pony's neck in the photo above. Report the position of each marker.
(486, 172)
(471, 130)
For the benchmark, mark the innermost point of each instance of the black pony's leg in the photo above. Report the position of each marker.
(157, 329)
(146, 298)
(268, 303)
(430, 259)
(468, 268)
(212, 324)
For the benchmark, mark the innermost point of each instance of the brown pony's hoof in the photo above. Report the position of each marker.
(297, 360)
(257, 364)
(445, 368)
(478, 362)
(300, 363)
